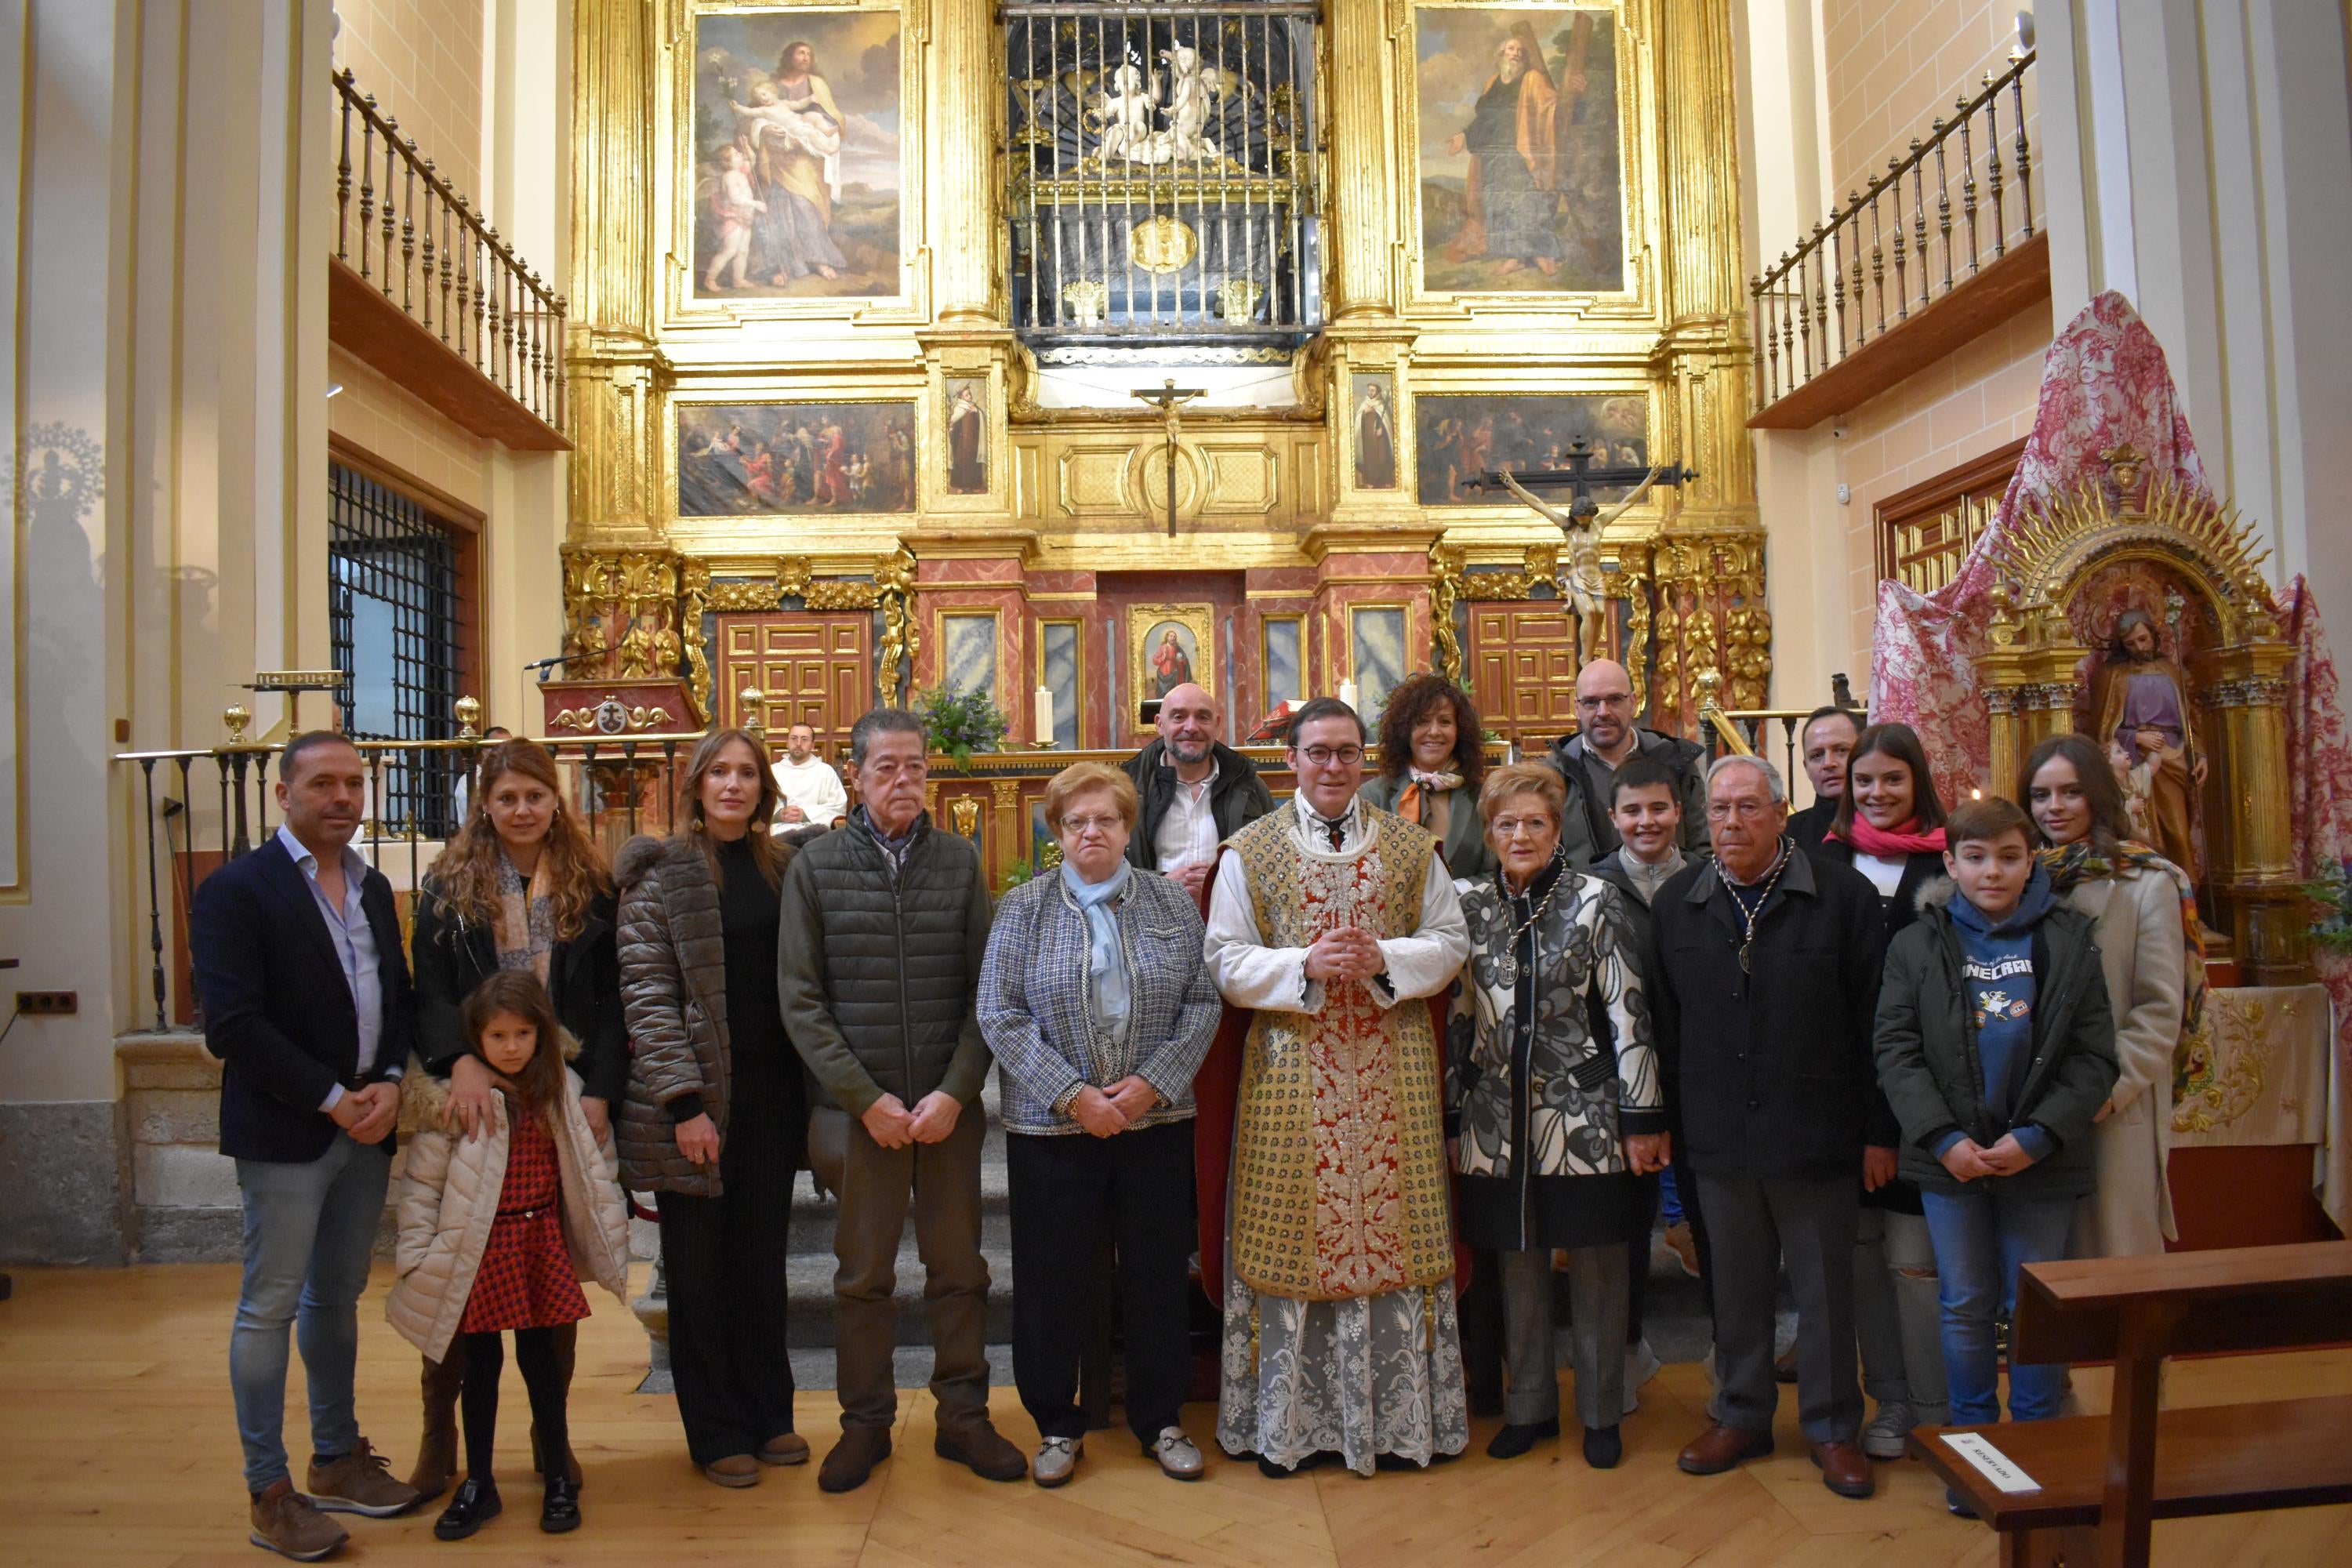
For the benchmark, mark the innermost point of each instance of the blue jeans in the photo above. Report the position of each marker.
(1670, 1200)
(309, 1235)
(1981, 1235)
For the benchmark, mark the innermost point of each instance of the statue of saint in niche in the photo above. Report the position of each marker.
(2142, 701)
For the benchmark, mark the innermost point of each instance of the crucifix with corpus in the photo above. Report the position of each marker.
(1581, 524)
(1169, 399)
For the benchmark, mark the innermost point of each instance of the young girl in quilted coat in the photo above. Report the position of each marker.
(498, 1230)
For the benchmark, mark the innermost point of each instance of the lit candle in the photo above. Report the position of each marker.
(1044, 707)
(1347, 692)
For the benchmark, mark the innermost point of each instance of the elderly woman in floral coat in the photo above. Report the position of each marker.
(1553, 1106)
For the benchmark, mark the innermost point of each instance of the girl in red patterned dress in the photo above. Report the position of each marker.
(498, 1230)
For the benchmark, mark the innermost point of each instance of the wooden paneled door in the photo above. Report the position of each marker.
(1523, 665)
(816, 669)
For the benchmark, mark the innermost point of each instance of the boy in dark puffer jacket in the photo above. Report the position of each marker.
(1996, 1047)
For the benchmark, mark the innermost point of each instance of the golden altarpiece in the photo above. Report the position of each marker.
(860, 331)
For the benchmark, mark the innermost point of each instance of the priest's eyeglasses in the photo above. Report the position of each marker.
(1324, 757)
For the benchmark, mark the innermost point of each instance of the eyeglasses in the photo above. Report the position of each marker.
(1079, 827)
(1606, 699)
(1746, 810)
(1512, 827)
(1324, 757)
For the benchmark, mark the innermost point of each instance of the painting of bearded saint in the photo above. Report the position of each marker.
(2142, 701)
(1521, 168)
(796, 134)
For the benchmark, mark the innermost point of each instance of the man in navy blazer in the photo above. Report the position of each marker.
(306, 1001)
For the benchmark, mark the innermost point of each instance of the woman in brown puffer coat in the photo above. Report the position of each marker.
(715, 1119)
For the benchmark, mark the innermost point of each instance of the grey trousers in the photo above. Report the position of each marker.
(1896, 1314)
(1753, 1223)
(1597, 1305)
(942, 1182)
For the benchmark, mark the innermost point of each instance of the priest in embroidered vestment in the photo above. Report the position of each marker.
(1334, 922)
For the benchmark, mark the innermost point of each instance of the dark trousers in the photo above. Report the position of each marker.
(1637, 1260)
(723, 1263)
(1070, 1192)
(1754, 1223)
(940, 1183)
(542, 1380)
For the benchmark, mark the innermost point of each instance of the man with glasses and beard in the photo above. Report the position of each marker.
(1197, 791)
(1333, 921)
(1606, 737)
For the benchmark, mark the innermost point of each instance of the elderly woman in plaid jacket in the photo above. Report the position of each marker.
(1099, 1009)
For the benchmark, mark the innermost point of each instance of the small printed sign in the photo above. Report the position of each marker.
(1990, 1462)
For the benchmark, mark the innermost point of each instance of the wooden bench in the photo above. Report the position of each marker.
(2099, 1483)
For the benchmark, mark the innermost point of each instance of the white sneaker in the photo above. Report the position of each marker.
(1641, 1363)
(1179, 1459)
(1057, 1460)
(1884, 1438)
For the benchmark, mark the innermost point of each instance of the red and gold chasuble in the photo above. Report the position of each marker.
(1339, 1170)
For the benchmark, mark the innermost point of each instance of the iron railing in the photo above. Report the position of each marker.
(452, 272)
(1879, 259)
(204, 807)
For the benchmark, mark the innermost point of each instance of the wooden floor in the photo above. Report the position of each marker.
(117, 1447)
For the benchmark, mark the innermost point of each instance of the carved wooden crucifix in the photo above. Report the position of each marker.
(1169, 399)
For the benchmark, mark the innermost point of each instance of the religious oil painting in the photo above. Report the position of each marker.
(765, 458)
(1169, 645)
(967, 435)
(1286, 661)
(968, 654)
(1060, 661)
(1522, 173)
(796, 160)
(1375, 422)
(1459, 438)
(1376, 653)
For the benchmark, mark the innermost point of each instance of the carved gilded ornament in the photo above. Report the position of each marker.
(1444, 594)
(902, 638)
(963, 811)
(2063, 537)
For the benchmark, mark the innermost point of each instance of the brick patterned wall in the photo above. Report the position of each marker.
(1958, 408)
(1891, 68)
(422, 59)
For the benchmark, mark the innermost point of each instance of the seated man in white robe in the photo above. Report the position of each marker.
(1334, 922)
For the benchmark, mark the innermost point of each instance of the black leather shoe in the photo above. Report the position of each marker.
(475, 1504)
(561, 1512)
(1603, 1446)
(1514, 1440)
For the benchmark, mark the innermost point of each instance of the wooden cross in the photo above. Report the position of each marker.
(1581, 476)
(1169, 399)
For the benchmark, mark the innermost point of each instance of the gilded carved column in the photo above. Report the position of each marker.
(1363, 135)
(617, 374)
(1705, 350)
(962, 119)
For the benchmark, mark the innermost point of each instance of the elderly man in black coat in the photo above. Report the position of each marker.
(1768, 984)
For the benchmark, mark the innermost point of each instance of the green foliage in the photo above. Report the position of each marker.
(2332, 892)
(1014, 875)
(960, 725)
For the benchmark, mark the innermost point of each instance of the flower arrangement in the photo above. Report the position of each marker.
(961, 724)
(2331, 892)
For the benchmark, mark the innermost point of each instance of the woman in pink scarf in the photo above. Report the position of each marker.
(1890, 828)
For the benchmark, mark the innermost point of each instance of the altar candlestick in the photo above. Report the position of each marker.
(1045, 711)
(1347, 692)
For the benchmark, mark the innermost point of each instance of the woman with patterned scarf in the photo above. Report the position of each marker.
(521, 886)
(2153, 950)
(1432, 759)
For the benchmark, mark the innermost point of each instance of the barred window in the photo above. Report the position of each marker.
(396, 621)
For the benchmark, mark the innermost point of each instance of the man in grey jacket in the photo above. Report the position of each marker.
(883, 928)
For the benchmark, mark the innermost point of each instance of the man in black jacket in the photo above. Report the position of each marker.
(884, 926)
(1827, 741)
(1605, 740)
(1196, 791)
(1765, 1000)
(306, 1002)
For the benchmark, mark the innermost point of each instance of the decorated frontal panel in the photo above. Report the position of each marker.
(796, 154)
(764, 459)
(1460, 437)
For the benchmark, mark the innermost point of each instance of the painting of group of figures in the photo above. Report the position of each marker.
(749, 459)
(796, 172)
(1522, 181)
(1459, 438)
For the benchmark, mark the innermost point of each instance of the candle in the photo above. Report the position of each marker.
(1044, 716)
(1347, 692)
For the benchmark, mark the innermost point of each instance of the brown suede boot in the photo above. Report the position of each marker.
(436, 1452)
(565, 1338)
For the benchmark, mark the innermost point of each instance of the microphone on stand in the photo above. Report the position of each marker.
(544, 665)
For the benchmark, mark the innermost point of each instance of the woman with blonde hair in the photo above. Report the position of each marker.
(1098, 1002)
(521, 885)
(715, 1122)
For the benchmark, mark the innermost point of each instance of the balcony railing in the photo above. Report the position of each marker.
(425, 250)
(1896, 248)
